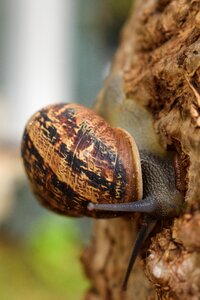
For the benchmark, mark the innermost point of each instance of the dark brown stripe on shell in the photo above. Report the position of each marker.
(48, 128)
(68, 120)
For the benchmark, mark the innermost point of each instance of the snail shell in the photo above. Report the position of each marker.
(72, 156)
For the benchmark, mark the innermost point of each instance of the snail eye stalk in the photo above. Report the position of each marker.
(147, 205)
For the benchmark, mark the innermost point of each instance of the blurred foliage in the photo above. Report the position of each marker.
(56, 243)
(47, 266)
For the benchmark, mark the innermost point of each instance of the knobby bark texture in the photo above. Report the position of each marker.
(159, 56)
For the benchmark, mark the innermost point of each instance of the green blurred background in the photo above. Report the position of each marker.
(50, 51)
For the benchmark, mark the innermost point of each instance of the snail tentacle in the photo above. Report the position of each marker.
(146, 228)
(146, 205)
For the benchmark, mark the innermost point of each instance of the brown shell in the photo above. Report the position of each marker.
(72, 156)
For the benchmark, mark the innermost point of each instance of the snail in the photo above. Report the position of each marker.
(80, 165)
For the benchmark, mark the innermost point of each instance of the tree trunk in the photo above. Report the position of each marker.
(159, 56)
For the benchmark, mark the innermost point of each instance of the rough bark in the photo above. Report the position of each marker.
(159, 55)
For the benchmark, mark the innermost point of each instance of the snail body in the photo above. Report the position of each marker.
(81, 163)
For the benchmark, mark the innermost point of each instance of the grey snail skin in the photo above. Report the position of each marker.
(101, 163)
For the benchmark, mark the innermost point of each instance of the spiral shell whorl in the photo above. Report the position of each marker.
(73, 156)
